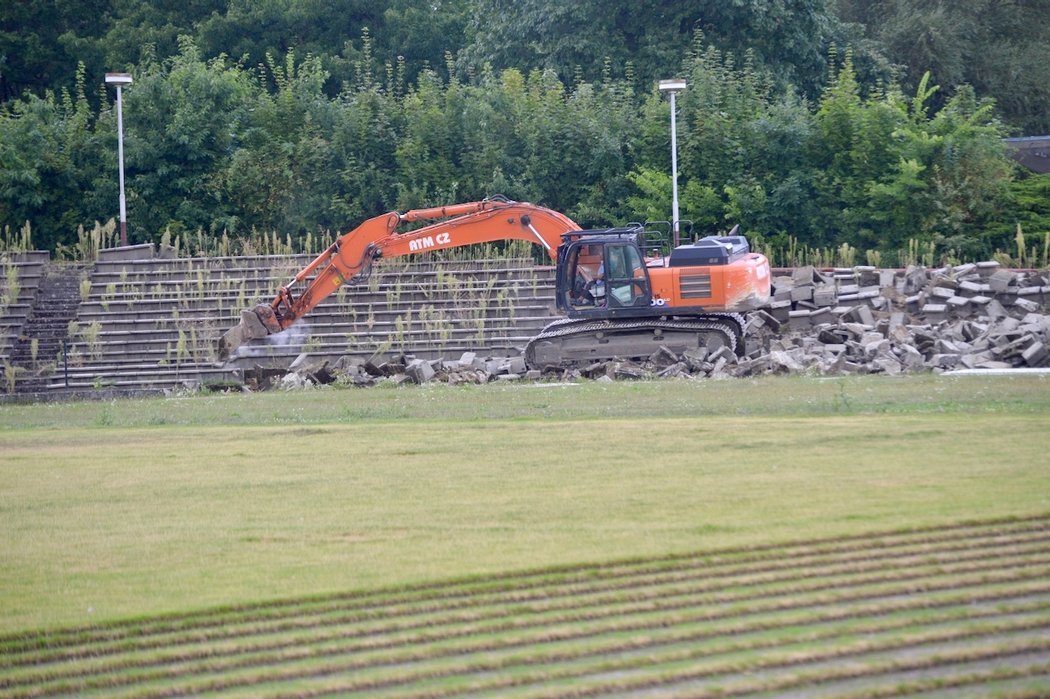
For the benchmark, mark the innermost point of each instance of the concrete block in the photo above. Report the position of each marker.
(592, 370)
(420, 371)
(1001, 280)
(820, 315)
(870, 296)
(945, 361)
(803, 276)
(294, 382)
(995, 311)
(767, 320)
(994, 365)
(722, 353)
(979, 302)
(674, 370)
(802, 293)
(876, 348)
(987, 268)
(780, 310)
(627, 372)
(958, 305)
(663, 358)
(515, 365)
(799, 320)
(784, 361)
(934, 311)
(509, 377)
(1035, 354)
(866, 275)
(941, 293)
(1030, 292)
(863, 314)
(888, 365)
(915, 280)
(824, 295)
(910, 358)
(128, 252)
(1026, 305)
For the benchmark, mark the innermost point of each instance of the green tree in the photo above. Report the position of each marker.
(789, 36)
(281, 174)
(1000, 48)
(42, 41)
(183, 119)
(54, 166)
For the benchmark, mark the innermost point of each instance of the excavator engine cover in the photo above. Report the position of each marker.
(712, 250)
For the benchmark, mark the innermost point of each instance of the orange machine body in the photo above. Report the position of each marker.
(714, 275)
(742, 285)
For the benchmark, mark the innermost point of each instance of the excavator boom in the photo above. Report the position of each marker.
(350, 257)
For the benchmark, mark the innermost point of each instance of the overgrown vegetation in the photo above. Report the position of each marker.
(811, 149)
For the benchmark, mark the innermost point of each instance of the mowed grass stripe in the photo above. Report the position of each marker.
(557, 576)
(732, 679)
(657, 622)
(474, 589)
(451, 642)
(672, 587)
(577, 597)
(546, 665)
(1025, 682)
(547, 672)
(715, 566)
(678, 629)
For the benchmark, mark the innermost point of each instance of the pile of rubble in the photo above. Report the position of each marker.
(843, 321)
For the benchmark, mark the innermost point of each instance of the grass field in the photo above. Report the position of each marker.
(130, 509)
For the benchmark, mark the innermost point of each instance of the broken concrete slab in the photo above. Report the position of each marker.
(420, 371)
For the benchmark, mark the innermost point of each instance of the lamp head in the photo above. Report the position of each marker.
(119, 79)
(676, 85)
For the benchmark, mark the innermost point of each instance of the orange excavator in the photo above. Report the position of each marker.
(622, 298)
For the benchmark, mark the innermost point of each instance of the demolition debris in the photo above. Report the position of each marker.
(860, 320)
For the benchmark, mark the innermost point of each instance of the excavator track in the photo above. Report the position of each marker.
(566, 342)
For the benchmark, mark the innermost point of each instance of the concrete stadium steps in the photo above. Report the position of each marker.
(27, 270)
(152, 324)
(198, 345)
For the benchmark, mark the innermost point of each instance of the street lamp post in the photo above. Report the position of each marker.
(120, 80)
(674, 87)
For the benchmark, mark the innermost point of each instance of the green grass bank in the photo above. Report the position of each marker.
(128, 508)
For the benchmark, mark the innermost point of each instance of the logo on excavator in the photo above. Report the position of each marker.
(429, 241)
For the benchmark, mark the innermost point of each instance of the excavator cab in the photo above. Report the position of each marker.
(602, 274)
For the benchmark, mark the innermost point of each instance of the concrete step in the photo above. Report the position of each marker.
(159, 319)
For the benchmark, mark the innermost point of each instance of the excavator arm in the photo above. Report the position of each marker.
(349, 259)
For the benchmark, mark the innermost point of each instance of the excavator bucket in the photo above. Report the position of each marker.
(255, 323)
